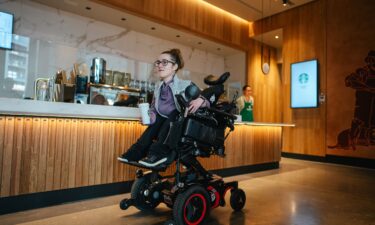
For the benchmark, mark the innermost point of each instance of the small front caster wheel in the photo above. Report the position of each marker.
(237, 199)
(124, 204)
(169, 222)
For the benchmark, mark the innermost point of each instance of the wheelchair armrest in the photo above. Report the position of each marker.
(214, 110)
(201, 114)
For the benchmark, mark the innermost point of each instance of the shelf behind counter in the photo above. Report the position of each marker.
(47, 146)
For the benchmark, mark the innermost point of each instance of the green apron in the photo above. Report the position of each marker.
(247, 112)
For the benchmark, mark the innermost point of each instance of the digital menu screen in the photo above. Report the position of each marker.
(304, 84)
(6, 30)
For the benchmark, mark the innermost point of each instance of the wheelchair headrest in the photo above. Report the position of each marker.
(215, 80)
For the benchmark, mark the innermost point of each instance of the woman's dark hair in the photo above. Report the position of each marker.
(246, 86)
(176, 56)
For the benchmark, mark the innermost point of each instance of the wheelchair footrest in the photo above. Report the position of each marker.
(161, 167)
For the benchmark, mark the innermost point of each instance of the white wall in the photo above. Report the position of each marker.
(58, 39)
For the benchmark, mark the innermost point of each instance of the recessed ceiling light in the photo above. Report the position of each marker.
(199, 43)
(71, 2)
(277, 37)
(153, 28)
(88, 7)
(218, 49)
(178, 36)
(123, 18)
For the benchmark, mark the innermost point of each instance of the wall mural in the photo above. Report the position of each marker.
(362, 130)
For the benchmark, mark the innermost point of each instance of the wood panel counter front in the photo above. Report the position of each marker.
(39, 154)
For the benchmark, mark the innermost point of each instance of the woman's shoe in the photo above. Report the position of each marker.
(153, 160)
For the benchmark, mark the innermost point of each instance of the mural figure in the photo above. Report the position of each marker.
(362, 130)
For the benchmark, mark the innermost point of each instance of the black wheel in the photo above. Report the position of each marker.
(237, 199)
(169, 206)
(142, 202)
(191, 206)
(124, 204)
(169, 222)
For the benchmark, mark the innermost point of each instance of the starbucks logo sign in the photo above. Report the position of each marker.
(303, 78)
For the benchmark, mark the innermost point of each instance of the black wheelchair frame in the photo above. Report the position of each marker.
(193, 192)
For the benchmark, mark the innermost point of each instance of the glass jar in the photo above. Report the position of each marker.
(109, 77)
(118, 78)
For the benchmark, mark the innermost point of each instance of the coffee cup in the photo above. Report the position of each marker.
(144, 107)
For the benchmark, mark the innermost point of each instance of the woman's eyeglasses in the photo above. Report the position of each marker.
(163, 62)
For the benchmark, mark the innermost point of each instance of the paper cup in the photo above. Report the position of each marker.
(144, 107)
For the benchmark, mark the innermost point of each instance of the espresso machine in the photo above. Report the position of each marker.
(98, 70)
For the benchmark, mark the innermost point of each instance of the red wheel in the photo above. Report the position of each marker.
(191, 206)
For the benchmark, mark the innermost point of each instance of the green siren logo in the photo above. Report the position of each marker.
(303, 78)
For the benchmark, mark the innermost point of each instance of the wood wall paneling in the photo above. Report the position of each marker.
(44, 154)
(267, 91)
(193, 16)
(304, 37)
(350, 37)
(7, 156)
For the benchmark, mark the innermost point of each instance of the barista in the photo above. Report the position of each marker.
(245, 104)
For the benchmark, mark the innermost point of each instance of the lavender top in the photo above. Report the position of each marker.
(166, 101)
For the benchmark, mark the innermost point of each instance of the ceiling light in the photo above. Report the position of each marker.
(277, 37)
(153, 28)
(178, 36)
(199, 43)
(123, 18)
(88, 7)
(285, 2)
(71, 2)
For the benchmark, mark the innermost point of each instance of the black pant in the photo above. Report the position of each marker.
(152, 141)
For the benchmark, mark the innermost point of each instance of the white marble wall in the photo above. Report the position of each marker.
(58, 39)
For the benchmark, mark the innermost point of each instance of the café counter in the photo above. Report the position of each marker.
(50, 146)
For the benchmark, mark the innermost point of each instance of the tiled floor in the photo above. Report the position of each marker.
(299, 193)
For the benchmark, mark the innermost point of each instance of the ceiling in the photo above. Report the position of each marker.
(253, 10)
(129, 21)
(250, 10)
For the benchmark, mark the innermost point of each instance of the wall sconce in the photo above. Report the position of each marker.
(265, 59)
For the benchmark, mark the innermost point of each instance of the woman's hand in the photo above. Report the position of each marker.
(195, 104)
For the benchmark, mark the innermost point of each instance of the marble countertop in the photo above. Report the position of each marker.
(266, 124)
(21, 107)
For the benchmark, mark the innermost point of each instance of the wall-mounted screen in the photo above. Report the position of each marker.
(304, 84)
(6, 30)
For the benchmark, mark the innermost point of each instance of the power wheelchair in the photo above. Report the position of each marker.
(193, 192)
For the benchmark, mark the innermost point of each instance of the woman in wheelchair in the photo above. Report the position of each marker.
(151, 148)
(192, 191)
